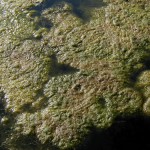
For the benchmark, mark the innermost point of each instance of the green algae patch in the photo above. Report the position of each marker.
(65, 76)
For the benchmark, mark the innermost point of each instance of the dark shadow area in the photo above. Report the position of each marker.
(44, 23)
(2, 114)
(61, 69)
(76, 6)
(142, 47)
(124, 134)
(5, 124)
(28, 108)
(102, 101)
(66, 69)
(136, 74)
(2, 107)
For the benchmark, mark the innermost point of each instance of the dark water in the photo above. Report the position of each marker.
(2, 107)
(125, 134)
(45, 4)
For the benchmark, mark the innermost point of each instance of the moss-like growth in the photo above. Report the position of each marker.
(62, 75)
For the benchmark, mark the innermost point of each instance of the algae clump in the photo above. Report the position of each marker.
(65, 70)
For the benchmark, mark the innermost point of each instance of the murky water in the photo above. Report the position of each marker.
(78, 6)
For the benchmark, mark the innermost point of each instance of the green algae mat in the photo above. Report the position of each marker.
(68, 66)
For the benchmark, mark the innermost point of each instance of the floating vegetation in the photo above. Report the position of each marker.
(69, 66)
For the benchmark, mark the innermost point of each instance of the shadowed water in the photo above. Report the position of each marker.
(45, 4)
(124, 134)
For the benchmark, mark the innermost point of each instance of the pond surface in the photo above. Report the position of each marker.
(79, 6)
